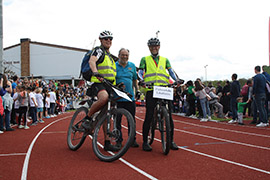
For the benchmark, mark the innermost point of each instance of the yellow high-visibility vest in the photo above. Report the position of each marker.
(107, 69)
(156, 74)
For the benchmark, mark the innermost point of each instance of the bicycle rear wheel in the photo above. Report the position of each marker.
(120, 130)
(165, 131)
(76, 133)
(153, 127)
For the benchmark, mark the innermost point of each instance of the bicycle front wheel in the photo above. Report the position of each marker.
(76, 133)
(165, 130)
(119, 129)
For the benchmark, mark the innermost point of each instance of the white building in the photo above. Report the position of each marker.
(44, 60)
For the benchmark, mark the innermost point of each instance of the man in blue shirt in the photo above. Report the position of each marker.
(127, 74)
(259, 87)
(234, 93)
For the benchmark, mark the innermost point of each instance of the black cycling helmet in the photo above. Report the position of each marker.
(153, 42)
(105, 34)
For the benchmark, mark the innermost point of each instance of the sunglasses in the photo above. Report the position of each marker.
(106, 39)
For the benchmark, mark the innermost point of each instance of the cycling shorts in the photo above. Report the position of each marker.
(96, 88)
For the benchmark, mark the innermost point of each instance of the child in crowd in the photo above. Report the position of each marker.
(33, 105)
(240, 109)
(24, 102)
(199, 91)
(47, 105)
(63, 104)
(16, 102)
(40, 104)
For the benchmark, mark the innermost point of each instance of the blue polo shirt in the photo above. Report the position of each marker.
(126, 75)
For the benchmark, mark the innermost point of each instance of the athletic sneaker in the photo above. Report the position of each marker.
(26, 127)
(232, 121)
(1, 132)
(262, 124)
(203, 120)
(41, 121)
(191, 116)
(20, 126)
(209, 118)
(34, 123)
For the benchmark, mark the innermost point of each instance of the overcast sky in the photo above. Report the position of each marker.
(230, 36)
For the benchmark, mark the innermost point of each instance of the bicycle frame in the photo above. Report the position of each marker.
(159, 104)
(105, 112)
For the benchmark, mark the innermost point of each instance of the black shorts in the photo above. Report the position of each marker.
(95, 89)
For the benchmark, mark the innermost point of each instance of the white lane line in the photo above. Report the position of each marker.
(137, 169)
(54, 132)
(26, 160)
(225, 140)
(130, 165)
(13, 154)
(227, 161)
(221, 129)
(217, 158)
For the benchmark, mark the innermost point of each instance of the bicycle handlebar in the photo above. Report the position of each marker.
(109, 84)
(173, 85)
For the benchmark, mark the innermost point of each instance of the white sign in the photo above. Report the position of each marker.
(121, 94)
(163, 92)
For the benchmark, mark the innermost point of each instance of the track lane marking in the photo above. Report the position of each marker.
(54, 132)
(28, 154)
(217, 158)
(13, 154)
(225, 160)
(221, 129)
(225, 140)
(220, 139)
(129, 164)
(26, 161)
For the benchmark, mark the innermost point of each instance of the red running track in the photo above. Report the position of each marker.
(208, 150)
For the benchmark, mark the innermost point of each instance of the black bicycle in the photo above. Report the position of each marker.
(161, 121)
(117, 124)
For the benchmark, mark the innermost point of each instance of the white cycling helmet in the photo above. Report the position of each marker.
(105, 34)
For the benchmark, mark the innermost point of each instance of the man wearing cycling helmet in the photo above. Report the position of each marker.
(150, 65)
(102, 64)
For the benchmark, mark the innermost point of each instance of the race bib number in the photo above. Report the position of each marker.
(121, 94)
(163, 92)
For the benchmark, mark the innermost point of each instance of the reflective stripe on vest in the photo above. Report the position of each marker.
(156, 74)
(107, 69)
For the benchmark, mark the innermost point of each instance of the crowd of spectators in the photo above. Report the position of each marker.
(26, 102)
(231, 101)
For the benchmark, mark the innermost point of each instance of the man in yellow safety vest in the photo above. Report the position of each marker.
(152, 70)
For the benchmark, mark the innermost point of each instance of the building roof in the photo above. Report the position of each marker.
(47, 44)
